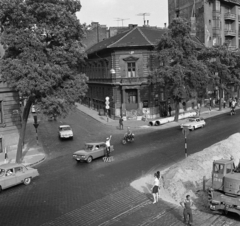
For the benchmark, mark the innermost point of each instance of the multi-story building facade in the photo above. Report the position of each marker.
(10, 116)
(119, 68)
(214, 21)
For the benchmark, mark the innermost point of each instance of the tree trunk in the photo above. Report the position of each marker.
(176, 111)
(25, 115)
(220, 98)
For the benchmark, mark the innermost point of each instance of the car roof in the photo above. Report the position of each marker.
(62, 126)
(95, 143)
(10, 165)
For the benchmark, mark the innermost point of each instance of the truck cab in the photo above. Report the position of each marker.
(220, 169)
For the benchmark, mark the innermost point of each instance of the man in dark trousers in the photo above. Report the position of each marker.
(187, 212)
(169, 110)
(121, 123)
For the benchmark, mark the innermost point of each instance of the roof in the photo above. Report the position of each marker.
(138, 36)
(223, 161)
(10, 165)
(62, 126)
(95, 143)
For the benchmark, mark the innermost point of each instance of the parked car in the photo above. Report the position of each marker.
(91, 151)
(12, 174)
(194, 123)
(65, 131)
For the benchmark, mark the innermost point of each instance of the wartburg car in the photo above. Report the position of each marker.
(194, 123)
(12, 174)
(91, 151)
(65, 131)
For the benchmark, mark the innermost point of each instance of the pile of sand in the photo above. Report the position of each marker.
(186, 176)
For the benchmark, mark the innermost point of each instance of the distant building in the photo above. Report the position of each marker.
(213, 21)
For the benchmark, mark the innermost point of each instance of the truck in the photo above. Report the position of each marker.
(224, 195)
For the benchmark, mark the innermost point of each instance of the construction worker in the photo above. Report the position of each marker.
(187, 212)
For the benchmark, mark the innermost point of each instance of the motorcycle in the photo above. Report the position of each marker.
(232, 112)
(128, 138)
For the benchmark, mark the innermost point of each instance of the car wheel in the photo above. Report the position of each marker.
(193, 128)
(27, 181)
(89, 159)
(124, 141)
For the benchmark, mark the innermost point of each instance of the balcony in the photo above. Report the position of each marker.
(230, 32)
(230, 16)
(120, 81)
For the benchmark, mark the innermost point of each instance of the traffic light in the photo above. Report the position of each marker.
(107, 103)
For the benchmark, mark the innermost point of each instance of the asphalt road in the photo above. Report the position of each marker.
(66, 188)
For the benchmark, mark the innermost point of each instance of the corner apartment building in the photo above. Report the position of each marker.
(214, 22)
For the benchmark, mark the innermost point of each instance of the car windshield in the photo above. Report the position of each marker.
(192, 120)
(2, 172)
(65, 128)
(88, 147)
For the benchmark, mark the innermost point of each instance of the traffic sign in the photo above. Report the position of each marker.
(107, 98)
(185, 131)
(107, 107)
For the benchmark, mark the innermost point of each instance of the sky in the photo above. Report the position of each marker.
(107, 12)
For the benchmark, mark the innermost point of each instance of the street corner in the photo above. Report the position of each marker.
(32, 160)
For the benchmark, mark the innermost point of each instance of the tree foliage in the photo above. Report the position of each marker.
(43, 53)
(223, 65)
(179, 70)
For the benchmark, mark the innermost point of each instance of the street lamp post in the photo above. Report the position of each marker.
(36, 124)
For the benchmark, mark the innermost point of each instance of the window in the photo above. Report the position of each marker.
(228, 168)
(132, 96)
(216, 5)
(145, 103)
(18, 170)
(131, 67)
(218, 168)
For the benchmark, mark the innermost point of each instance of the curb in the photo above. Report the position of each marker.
(35, 163)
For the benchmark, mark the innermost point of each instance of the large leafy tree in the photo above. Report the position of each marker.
(179, 70)
(43, 55)
(224, 67)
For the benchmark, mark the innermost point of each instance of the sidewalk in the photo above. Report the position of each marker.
(33, 153)
(137, 124)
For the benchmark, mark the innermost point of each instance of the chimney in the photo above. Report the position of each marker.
(144, 22)
(147, 22)
(165, 25)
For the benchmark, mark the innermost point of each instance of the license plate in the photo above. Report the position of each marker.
(78, 158)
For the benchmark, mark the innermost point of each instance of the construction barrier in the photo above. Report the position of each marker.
(161, 121)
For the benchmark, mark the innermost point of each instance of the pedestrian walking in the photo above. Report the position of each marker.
(224, 103)
(108, 145)
(155, 189)
(210, 104)
(121, 123)
(169, 110)
(187, 210)
(159, 187)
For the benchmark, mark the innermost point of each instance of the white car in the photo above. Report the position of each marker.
(194, 123)
(65, 131)
(12, 174)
